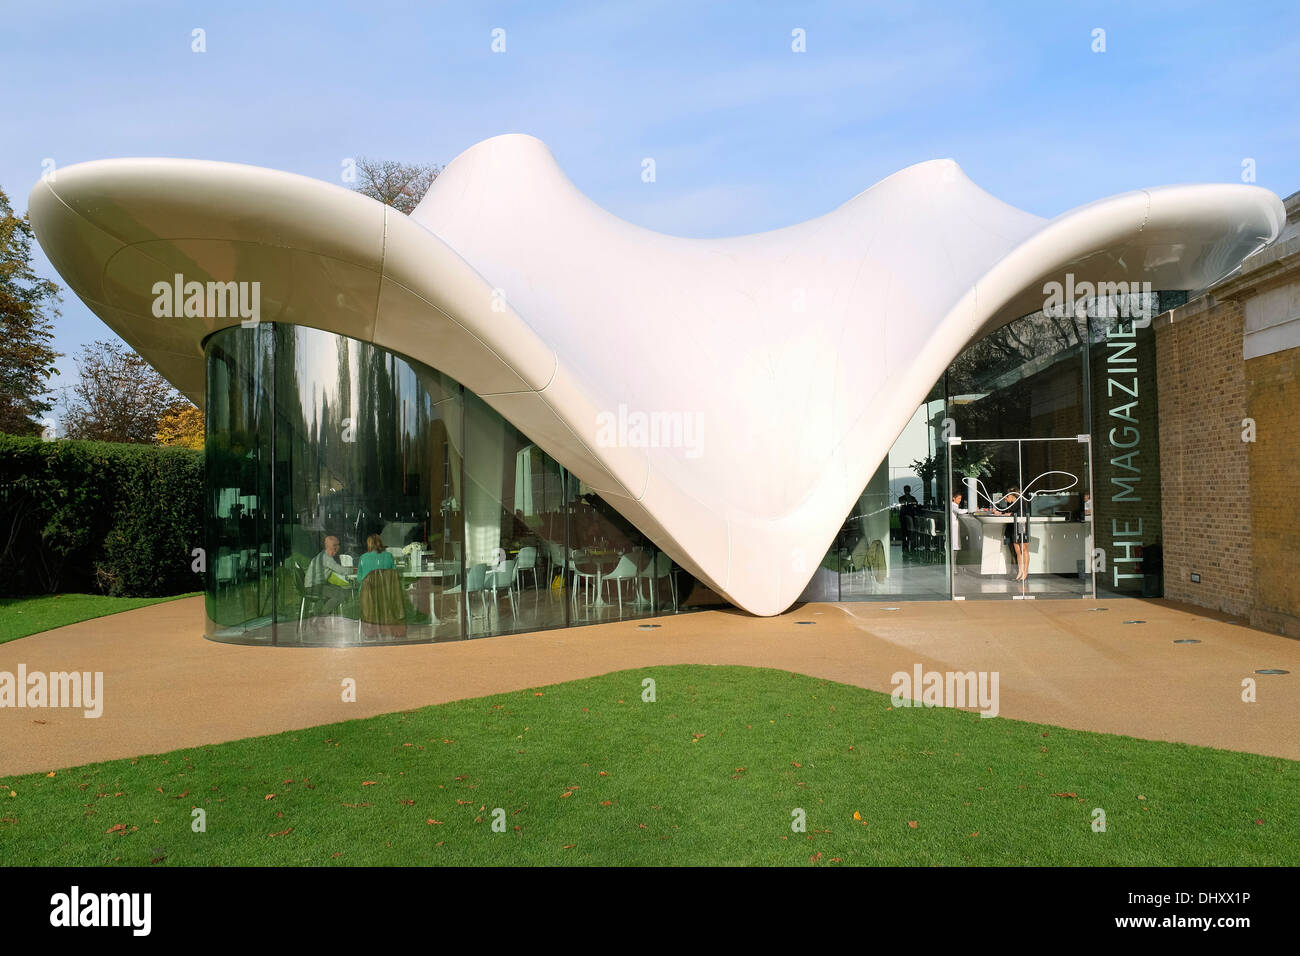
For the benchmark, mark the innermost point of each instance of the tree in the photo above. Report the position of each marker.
(181, 426)
(27, 307)
(400, 185)
(119, 397)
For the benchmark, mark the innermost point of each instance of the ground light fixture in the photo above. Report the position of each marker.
(1271, 670)
(805, 622)
(1135, 622)
(647, 627)
(1187, 640)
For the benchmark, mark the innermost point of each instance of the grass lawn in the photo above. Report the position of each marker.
(586, 772)
(20, 617)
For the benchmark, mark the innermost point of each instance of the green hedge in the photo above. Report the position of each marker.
(88, 517)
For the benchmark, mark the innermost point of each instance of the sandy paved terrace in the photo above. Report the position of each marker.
(1059, 663)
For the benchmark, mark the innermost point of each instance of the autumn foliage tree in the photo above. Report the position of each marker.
(118, 397)
(181, 426)
(27, 307)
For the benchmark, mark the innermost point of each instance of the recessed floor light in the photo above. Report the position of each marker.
(1271, 670)
(1096, 609)
(1135, 622)
(648, 627)
(1187, 640)
(805, 622)
(890, 608)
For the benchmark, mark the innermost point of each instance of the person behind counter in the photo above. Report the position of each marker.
(955, 510)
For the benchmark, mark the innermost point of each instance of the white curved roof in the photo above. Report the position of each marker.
(798, 354)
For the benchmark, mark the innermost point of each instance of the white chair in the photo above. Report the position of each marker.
(581, 579)
(625, 570)
(227, 570)
(526, 563)
(655, 571)
(475, 578)
(503, 577)
(555, 559)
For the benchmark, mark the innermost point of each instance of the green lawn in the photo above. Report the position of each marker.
(588, 773)
(20, 617)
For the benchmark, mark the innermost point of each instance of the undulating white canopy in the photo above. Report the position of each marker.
(731, 397)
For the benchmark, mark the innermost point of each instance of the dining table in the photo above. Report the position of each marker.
(601, 562)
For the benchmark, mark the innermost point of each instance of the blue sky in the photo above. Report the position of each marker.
(746, 134)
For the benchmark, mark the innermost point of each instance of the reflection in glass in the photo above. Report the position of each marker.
(322, 450)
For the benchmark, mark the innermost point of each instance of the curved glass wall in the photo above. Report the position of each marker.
(356, 496)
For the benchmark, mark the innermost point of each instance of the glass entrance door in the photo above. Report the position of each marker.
(1022, 528)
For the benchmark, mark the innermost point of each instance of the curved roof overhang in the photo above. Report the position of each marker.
(795, 356)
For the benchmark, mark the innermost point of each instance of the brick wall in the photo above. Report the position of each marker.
(1273, 401)
(1205, 467)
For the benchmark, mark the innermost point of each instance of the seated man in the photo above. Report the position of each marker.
(329, 576)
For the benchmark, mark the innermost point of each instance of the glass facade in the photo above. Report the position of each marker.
(1030, 471)
(354, 496)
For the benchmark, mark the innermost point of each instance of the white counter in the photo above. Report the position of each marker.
(1056, 544)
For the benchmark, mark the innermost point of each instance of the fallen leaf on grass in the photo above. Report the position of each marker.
(116, 828)
(815, 857)
(270, 796)
(569, 846)
(283, 832)
(857, 815)
(367, 783)
(912, 823)
(1065, 794)
(433, 823)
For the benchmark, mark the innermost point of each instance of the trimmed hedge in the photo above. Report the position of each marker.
(97, 517)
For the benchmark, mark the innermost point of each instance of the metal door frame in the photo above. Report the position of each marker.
(1089, 513)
